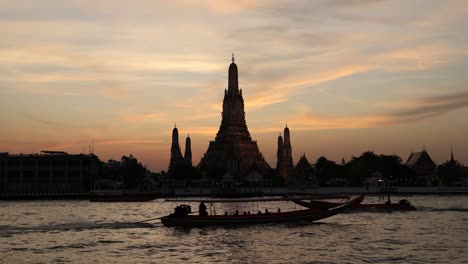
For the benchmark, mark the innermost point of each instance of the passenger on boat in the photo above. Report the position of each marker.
(181, 211)
(279, 210)
(404, 204)
(202, 209)
(388, 200)
(266, 211)
(237, 212)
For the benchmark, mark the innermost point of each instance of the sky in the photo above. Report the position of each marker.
(346, 76)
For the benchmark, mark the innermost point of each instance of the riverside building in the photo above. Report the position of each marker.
(47, 173)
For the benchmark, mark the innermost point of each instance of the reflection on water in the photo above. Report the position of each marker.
(79, 231)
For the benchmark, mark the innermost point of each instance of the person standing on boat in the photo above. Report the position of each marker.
(202, 209)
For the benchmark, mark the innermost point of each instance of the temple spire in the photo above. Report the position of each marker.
(451, 153)
(176, 154)
(188, 151)
(287, 139)
(175, 137)
(285, 163)
(233, 84)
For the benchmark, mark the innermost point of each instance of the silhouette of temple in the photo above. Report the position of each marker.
(188, 151)
(422, 165)
(303, 174)
(177, 160)
(284, 165)
(452, 163)
(233, 151)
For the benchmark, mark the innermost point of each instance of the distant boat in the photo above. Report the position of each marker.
(122, 196)
(402, 205)
(183, 217)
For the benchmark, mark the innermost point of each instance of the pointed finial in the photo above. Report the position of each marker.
(233, 58)
(286, 124)
(175, 124)
(451, 152)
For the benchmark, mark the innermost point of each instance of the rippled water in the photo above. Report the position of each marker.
(84, 232)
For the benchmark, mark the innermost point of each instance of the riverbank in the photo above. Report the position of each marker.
(249, 192)
(330, 191)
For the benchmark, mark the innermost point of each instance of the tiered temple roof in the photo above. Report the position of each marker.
(233, 149)
(420, 160)
(303, 174)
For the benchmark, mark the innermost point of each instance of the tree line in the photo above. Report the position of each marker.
(356, 172)
(389, 168)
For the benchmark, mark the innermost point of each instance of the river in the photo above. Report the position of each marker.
(85, 232)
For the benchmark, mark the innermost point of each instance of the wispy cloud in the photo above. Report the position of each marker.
(417, 58)
(129, 141)
(413, 111)
(157, 117)
(224, 7)
(201, 130)
(321, 77)
(428, 107)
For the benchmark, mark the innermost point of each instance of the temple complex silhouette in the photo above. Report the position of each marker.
(177, 160)
(233, 152)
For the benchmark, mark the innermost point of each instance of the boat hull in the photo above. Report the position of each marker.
(327, 205)
(356, 205)
(285, 217)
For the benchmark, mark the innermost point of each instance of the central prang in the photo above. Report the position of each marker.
(233, 151)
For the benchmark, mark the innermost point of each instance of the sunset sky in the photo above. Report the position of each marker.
(346, 76)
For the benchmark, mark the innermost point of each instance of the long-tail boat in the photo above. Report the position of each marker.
(402, 205)
(183, 217)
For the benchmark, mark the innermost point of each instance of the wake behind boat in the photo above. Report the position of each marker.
(122, 196)
(182, 217)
